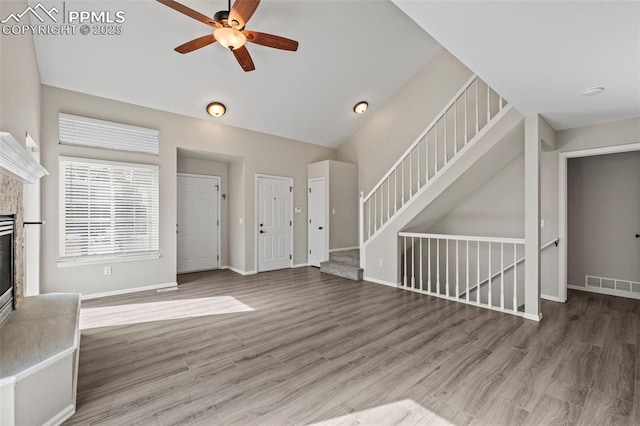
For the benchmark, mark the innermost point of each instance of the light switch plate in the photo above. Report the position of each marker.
(297, 210)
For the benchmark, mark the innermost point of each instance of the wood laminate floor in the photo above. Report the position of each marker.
(299, 347)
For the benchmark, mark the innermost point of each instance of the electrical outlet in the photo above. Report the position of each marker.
(333, 211)
(541, 223)
(107, 270)
(240, 221)
(380, 262)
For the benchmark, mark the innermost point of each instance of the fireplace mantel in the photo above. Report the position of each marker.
(18, 161)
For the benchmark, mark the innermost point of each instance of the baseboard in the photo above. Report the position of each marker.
(238, 271)
(343, 249)
(127, 290)
(531, 317)
(300, 265)
(607, 291)
(377, 281)
(62, 416)
(551, 298)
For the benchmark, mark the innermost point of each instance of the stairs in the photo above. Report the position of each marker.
(345, 264)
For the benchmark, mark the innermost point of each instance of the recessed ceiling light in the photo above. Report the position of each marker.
(216, 109)
(360, 107)
(592, 91)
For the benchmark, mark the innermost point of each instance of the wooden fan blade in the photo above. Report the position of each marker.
(270, 40)
(241, 12)
(244, 59)
(190, 12)
(196, 44)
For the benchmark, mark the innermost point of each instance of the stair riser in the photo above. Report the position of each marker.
(341, 270)
(346, 260)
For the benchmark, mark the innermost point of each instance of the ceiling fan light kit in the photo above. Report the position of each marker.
(229, 31)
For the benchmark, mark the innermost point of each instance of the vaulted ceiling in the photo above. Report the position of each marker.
(349, 51)
(541, 54)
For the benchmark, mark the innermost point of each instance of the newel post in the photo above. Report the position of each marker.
(532, 154)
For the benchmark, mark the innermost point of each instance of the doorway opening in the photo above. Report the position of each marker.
(609, 228)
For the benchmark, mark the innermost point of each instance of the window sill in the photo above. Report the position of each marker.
(97, 260)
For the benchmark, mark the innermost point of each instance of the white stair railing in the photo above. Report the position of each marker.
(474, 107)
(454, 267)
(512, 265)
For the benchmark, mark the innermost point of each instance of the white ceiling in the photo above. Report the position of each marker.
(344, 56)
(541, 54)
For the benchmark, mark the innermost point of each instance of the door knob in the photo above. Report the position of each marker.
(637, 235)
(319, 227)
(261, 231)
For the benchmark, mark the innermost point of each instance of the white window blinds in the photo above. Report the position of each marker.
(83, 131)
(107, 208)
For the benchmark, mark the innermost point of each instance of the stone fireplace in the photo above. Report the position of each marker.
(17, 168)
(11, 204)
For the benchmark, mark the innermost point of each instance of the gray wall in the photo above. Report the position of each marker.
(495, 210)
(213, 168)
(603, 214)
(343, 198)
(257, 153)
(20, 94)
(385, 135)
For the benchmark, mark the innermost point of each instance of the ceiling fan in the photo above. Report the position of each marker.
(229, 31)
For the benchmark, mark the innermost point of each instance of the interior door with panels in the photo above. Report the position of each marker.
(317, 226)
(274, 223)
(198, 223)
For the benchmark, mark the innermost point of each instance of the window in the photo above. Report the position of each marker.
(107, 210)
(83, 131)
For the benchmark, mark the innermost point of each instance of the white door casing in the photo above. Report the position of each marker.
(317, 226)
(198, 222)
(274, 222)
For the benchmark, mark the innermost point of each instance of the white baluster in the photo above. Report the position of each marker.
(466, 119)
(426, 158)
(418, 167)
(429, 265)
(457, 273)
(477, 107)
(402, 183)
(515, 278)
(421, 262)
(375, 211)
(369, 218)
(410, 174)
(446, 148)
(488, 104)
(478, 274)
(490, 298)
(455, 127)
(438, 265)
(502, 276)
(405, 261)
(467, 261)
(395, 190)
(388, 197)
(435, 148)
(413, 264)
(500, 104)
(447, 261)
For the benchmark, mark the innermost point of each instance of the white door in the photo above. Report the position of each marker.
(198, 223)
(274, 223)
(317, 226)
